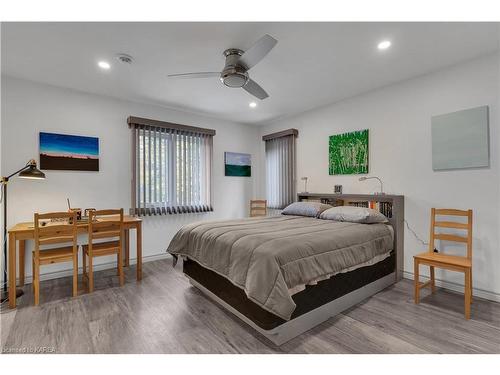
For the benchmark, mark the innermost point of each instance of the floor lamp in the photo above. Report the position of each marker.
(29, 171)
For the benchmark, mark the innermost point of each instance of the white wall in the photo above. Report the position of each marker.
(399, 118)
(28, 108)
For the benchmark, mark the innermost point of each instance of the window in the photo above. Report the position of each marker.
(171, 168)
(280, 168)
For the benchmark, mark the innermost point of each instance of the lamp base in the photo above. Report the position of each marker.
(5, 295)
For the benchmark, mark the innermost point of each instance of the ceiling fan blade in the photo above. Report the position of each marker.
(195, 75)
(258, 51)
(253, 88)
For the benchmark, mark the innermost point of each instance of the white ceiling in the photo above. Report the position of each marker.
(313, 64)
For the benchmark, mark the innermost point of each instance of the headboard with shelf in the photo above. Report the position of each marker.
(392, 206)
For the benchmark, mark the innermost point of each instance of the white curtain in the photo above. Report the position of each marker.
(172, 171)
(280, 171)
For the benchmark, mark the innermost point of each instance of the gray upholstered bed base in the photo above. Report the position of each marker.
(303, 323)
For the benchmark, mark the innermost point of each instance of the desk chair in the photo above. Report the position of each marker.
(103, 225)
(449, 262)
(258, 207)
(60, 229)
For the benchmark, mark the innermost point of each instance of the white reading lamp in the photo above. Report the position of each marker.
(29, 171)
(305, 184)
(374, 178)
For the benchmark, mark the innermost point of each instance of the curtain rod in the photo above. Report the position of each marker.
(280, 134)
(132, 121)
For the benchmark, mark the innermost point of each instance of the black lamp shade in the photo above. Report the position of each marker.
(32, 172)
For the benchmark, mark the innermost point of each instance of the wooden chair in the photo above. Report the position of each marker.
(54, 228)
(103, 225)
(449, 262)
(258, 207)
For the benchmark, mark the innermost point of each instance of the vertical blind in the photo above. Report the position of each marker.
(171, 170)
(280, 170)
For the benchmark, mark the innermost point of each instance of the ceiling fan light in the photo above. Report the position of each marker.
(234, 80)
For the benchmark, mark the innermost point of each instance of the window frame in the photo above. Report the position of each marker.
(178, 137)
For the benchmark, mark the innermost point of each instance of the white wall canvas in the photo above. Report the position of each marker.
(460, 139)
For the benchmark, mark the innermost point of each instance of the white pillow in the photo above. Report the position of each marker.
(353, 215)
(312, 209)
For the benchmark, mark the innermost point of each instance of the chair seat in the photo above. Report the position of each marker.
(57, 255)
(103, 248)
(444, 260)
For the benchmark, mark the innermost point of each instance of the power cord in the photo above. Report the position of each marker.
(418, 238)
(415, 234)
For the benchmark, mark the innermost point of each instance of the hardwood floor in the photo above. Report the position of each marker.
(164, 314)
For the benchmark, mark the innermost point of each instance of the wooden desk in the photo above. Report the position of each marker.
(25, 231)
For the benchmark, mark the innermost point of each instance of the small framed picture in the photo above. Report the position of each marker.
(237, 164)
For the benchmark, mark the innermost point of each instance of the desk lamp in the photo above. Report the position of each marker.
(374, 178)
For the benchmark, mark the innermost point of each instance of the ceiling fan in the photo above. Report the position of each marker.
(238, 63)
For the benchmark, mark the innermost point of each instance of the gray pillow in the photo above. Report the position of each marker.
(312, 209)
(353, 215)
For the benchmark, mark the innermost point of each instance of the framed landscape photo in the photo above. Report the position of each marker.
(69, 152)
(348, 153)
(237, 164)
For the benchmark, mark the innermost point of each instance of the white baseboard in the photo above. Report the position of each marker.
(457, 287)
(97, 267)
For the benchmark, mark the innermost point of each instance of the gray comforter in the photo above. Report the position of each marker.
(268, 256)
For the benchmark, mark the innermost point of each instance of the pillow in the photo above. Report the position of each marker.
(312, 209)
(353, 215)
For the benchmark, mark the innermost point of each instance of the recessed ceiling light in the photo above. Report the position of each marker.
(252, 105)
(384, 44)
(103, 65)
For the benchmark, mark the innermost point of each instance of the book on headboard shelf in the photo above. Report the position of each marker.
(385, 208)
(333, 202)
(358, 203)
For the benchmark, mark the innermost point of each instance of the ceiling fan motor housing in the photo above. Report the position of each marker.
(233, 74)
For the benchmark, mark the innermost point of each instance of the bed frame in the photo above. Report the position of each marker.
(294, 327)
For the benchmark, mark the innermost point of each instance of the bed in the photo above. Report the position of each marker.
(283, 275)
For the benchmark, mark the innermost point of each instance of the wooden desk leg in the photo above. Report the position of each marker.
(127, 247)
(22, 257)
(139, 251)
(12, 270)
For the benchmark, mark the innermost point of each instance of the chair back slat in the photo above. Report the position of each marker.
(56, 215)
(450, 237)
(258, 207)
(467, 227)
(451, 212)
(55, 240)
(450, 224)
(106, 234)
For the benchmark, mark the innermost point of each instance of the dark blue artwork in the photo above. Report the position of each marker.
(69, 152)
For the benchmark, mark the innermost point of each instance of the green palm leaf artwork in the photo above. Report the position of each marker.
(348, 153)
